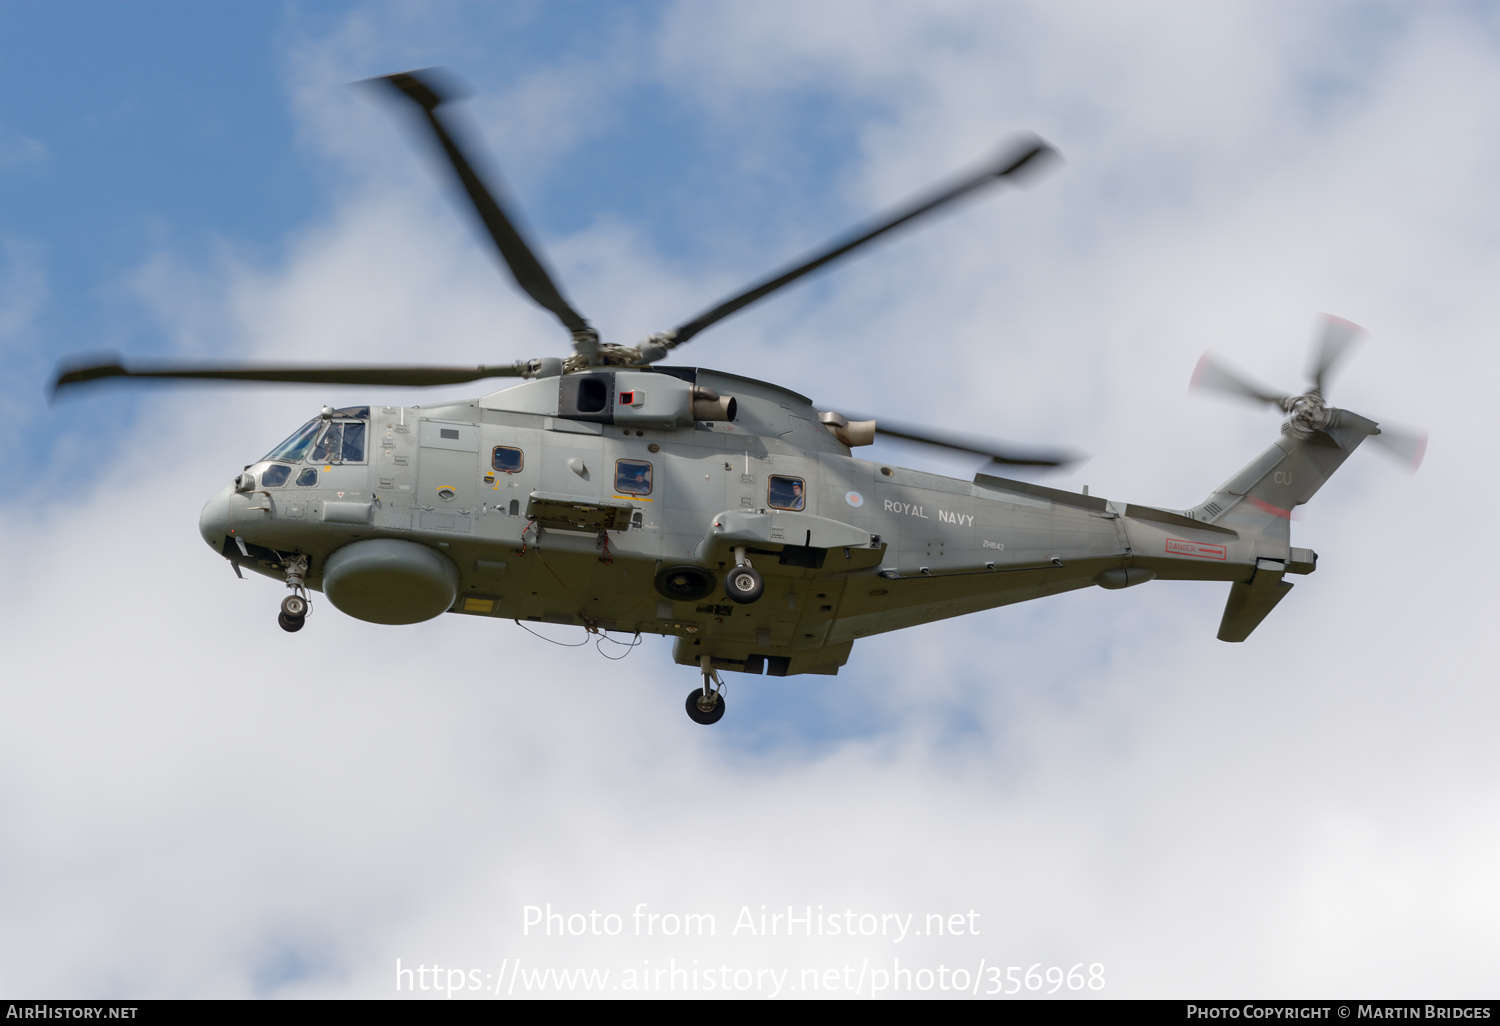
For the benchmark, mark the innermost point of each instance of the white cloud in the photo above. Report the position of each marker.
(202, 805)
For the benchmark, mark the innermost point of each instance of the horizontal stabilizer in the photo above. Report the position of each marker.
(1250, 601)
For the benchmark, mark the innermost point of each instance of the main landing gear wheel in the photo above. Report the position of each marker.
(744, 585)
(705, 706)
(290, 624)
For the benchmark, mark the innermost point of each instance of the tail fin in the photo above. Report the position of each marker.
(1257, 503)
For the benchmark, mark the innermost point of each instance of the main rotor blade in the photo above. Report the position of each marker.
(423, 89)
(1407, 446)
(1338, 335)
(979, 447)
(343, 375)
(1029, 154)
(1219, 377)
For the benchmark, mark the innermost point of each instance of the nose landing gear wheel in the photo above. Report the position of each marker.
(696, 702)
(744, 584)
(295, 607)
(293, 613)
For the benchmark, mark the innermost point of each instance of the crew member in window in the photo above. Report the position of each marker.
(785, 492)
(633, 477)
(326, 451)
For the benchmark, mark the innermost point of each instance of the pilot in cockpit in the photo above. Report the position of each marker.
(329, 445)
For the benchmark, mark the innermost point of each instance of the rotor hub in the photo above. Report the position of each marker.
(607, 354)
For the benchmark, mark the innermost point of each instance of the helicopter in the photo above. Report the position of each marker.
(612, 491)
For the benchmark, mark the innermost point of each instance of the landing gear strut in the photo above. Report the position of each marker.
(707, 705)
(295, 607)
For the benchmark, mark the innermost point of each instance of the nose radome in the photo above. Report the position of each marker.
(213, 522)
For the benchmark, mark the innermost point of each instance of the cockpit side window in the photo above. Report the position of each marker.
(341, 442)
(275, 475)
(354, 443)
(308, 477)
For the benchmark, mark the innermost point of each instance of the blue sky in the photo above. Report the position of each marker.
(127, 128)
(1310, 812)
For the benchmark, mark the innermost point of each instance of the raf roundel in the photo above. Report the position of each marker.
(854, 499)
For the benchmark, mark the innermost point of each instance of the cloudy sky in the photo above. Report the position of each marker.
(193, 803)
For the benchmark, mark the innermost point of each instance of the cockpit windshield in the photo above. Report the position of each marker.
(293, 449)
(340, 440)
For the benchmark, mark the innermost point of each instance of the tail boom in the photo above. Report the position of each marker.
(1242, 532)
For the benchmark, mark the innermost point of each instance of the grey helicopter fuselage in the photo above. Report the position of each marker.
(603, 499)
(610, 492)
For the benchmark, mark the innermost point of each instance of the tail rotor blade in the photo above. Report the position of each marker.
(1217, 376)
(1407, 446)
(1338, 336)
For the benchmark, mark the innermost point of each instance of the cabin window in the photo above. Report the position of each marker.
(632, 477)
(275, 476)
(785, 492)
(308, 477)
(506, 460)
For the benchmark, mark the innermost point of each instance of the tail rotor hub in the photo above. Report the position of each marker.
(1309, 412)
